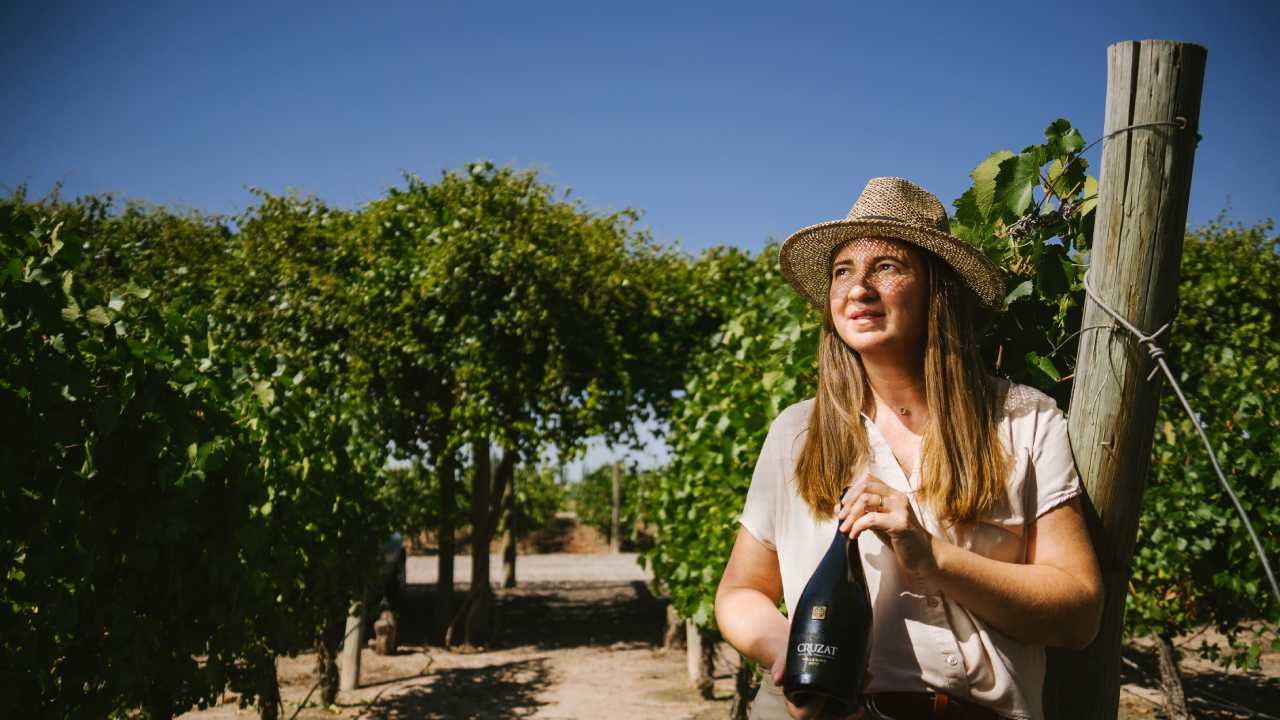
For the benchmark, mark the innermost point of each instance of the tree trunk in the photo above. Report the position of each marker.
(503, 477)
(615, 534)
(710, 643)
(509, 537)
(445, 539)
(1144, 184)
(480, 486)
(674, 637)
(159, 702)
(1175, 700)
(269, 691)
(473, 623)
(744, 689)
(326, 646)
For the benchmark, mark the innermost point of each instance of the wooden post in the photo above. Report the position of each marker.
(1144, 184)
(615, 534)
(353, 641)
(693, 651)
(700, 656)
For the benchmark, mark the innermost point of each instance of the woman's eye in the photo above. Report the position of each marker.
(886, 266)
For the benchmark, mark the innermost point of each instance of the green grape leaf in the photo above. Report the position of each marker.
(984, 182)
(1015, 181)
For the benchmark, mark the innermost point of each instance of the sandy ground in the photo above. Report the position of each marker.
(581, 638)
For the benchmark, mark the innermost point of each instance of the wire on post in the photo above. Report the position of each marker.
(1157, 353)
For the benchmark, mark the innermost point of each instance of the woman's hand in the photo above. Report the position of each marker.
(869, 504)
(811, 710)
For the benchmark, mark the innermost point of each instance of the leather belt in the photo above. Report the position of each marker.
(926, 705)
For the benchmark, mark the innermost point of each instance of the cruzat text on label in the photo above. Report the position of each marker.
(813, 648)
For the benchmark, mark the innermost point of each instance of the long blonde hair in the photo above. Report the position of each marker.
(963, 465)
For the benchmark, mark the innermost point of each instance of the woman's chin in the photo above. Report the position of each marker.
(872, 343)
(861, 338)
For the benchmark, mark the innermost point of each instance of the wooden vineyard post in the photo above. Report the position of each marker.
(352, 643)
(700, 656)
(1134, 267)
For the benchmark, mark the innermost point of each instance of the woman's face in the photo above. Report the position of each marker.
(879, 296)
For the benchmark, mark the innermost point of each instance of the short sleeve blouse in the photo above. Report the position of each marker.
(921, 640)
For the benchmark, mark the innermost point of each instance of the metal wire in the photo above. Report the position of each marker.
(1179, 122)
(1157, 353)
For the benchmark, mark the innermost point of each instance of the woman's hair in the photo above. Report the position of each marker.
(963, 466)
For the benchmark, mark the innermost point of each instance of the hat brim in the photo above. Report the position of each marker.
(805, 257)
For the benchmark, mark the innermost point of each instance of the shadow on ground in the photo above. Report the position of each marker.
(1212, 694)
(509, 690)
(551, 616)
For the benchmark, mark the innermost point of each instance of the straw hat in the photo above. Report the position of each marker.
(894, 208)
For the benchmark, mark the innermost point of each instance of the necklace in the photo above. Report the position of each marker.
(903, 411)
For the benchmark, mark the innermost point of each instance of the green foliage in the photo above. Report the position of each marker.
(1043, 243)
(131, 478)
(591, 497)
(186, 488)
(494, 311)
(1194, 564)
(287, 353)
(412, 495)
(539, 495)
(760, 361)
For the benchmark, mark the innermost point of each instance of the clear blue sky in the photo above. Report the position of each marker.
(721, 122)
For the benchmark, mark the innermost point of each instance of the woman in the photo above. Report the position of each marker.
(977, 556)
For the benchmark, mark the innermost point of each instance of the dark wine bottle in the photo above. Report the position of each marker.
(830, 639)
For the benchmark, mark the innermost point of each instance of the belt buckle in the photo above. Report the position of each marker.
(941, 706)
(941, 702)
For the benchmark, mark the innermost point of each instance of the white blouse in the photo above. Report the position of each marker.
(921, 639)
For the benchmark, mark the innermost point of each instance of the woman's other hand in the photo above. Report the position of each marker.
(811, 710)
(869, 504)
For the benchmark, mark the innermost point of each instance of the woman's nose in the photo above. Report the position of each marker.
(860, 289)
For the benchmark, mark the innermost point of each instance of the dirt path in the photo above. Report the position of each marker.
(585, 645)
(547, 567)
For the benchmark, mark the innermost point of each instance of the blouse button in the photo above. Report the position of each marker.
(952, 660)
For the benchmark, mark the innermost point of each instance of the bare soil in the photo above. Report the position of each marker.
(585, 646)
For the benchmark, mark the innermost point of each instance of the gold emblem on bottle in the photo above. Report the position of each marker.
(819, 612)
